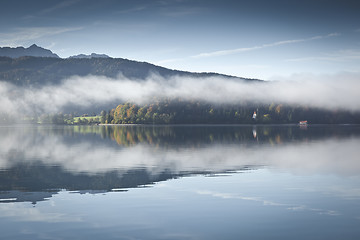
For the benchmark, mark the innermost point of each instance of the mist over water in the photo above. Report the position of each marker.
(328, 92)
(198, 149)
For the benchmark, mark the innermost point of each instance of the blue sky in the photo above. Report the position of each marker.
(255, 39)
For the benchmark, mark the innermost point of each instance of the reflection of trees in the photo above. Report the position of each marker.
(196, 136)
(191, 135)
(132, 135)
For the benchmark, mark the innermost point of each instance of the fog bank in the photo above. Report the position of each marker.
(334, 92)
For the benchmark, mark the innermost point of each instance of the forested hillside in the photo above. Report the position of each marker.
(41, 71)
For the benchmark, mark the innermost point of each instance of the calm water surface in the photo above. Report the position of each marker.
(180, 182)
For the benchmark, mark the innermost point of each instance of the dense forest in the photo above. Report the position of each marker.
(187, 112)
(178, 111)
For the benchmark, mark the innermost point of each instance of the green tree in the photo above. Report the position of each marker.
(103, 116)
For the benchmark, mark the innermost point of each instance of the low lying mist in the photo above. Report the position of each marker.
(51, 148)
(334, 92)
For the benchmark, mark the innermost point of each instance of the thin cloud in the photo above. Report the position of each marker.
(169, 60)
(134, 9)
(21, 35)
(338, 56)
(35, 215)
(169, 9)
(51, 45)
(274, 44)
(288, 206)
(61, 5)
(180, 12)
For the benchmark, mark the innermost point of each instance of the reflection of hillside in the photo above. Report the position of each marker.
(38, 182)
(33, 183)
(21, 196)
(35, 177)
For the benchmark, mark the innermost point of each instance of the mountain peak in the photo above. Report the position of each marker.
(34, 46)
(33, 51)
(92, 55)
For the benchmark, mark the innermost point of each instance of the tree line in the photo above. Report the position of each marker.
(178, 111)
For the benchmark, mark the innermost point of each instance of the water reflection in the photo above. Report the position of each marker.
(101, 158)
(194, 136)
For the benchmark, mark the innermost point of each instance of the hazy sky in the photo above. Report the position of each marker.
(256, 39)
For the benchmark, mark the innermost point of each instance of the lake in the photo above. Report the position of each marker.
(180, 182)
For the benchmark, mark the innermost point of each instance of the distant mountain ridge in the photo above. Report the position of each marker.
(33, 51)
(36, 66)
(36, 51)
(93, 55)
